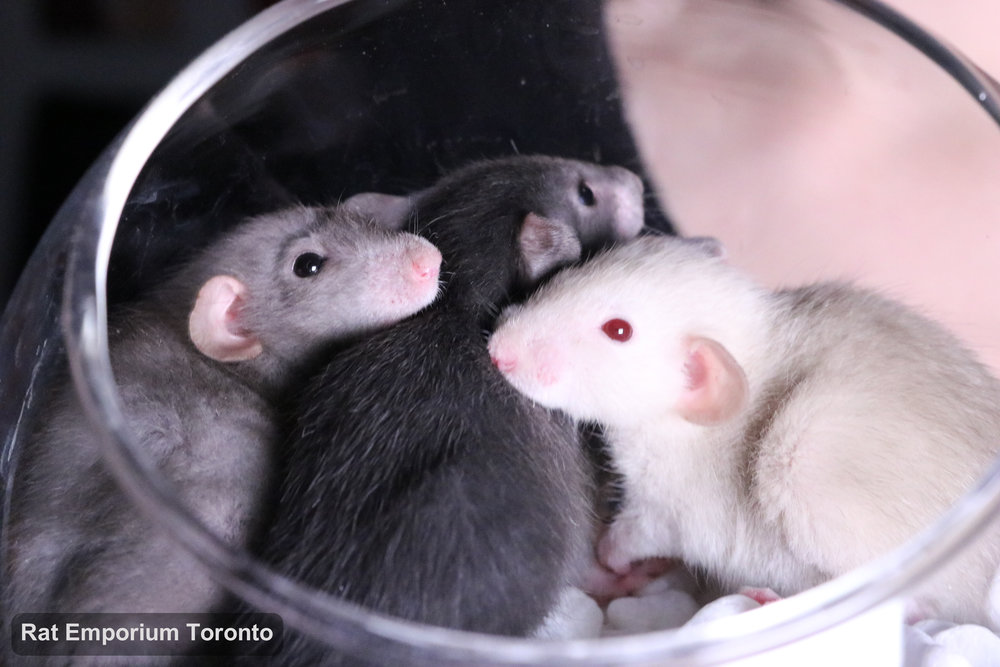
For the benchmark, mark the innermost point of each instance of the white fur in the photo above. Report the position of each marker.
(871, 420)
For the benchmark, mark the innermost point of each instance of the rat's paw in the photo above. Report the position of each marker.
(605, 585)
(761, 596)
(612, 551)
(622, 544)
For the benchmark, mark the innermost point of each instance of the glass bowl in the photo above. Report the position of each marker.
(312, 101)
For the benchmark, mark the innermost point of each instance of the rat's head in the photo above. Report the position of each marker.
(288, 282)
(629, 336)
(604, 204)
(507, 223)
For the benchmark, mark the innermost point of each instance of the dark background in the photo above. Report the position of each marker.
(74, 72)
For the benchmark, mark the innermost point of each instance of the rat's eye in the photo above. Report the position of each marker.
(617, 329)
(586, 194)
(308, 264)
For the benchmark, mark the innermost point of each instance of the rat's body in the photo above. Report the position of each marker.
(200, 365)
(420, 484)
(774, 439)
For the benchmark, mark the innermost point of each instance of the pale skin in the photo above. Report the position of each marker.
(817, 146)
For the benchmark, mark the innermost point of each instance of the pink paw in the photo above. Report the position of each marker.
(762, 596)
(642, 573)
(916, 610)
(611, 553)
(605, 585)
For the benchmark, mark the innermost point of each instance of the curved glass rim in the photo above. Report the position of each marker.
(350, 627)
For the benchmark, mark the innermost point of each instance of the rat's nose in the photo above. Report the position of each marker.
(425, 261)
(505, 364)
(501, 354)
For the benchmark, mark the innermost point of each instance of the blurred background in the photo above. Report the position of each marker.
(73, 73)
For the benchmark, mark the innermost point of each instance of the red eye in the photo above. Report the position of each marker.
(617, 329)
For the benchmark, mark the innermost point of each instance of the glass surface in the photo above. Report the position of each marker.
(314, 101)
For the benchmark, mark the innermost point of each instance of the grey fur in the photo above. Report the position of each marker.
(418, 483)
(76, 543)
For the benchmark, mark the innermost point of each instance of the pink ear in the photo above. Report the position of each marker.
(388, 211)
(717, 387)
(546, 244)
(212, 325)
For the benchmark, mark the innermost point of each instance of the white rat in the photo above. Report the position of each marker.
(771, 438)
(200, 365)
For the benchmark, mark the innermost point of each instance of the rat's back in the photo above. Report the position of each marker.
(453, 517)
(885, 420)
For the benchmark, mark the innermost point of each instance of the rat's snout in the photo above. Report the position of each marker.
(505, 365)
(625, 196)
(501, 354)
(530, 364)
(630, 181)
(406, 278)
(425, 263)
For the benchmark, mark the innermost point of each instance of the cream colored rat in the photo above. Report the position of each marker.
(771, 438)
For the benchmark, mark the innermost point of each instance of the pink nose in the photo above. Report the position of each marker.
(504, 364)
(426, 263)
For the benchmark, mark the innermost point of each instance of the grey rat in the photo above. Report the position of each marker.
(773, 438)
(200, 366)
(417, 482)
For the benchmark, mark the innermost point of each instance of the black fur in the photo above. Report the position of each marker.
(419, 484)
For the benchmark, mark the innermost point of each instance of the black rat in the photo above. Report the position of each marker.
(418, 483)
(773, 439)
(200, 365)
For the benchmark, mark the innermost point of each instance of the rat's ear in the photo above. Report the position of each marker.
(716, 389)
(387, 211)
(546, 244)
(213, 324)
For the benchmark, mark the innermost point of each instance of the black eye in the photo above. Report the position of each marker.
(586, 194)
(308, 264)
(617, 329)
